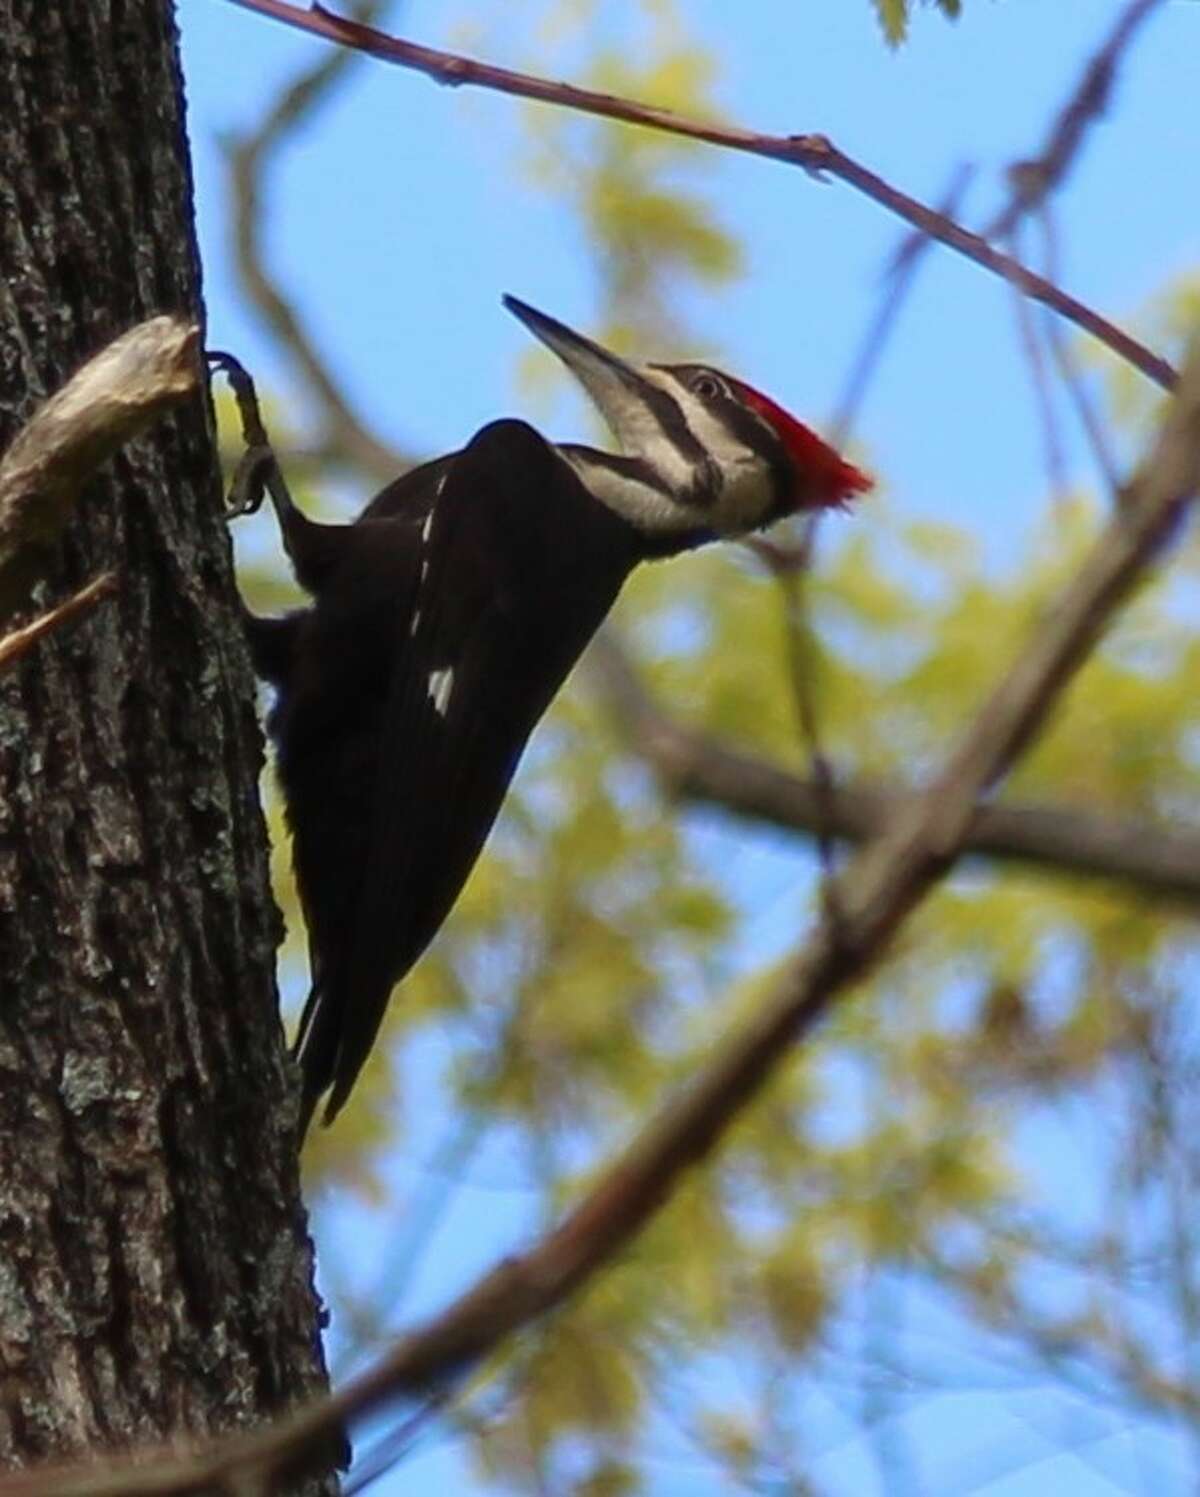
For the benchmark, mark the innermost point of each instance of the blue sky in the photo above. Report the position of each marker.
(398, 220)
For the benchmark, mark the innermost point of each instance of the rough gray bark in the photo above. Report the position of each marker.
(155, 1270)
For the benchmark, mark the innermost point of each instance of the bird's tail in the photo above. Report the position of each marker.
(315, 1052)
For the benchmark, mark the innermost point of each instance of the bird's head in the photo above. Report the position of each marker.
(700, 450)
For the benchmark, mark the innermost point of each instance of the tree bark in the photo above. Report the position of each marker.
(155, 1268)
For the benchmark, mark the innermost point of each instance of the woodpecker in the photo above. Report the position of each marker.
(445, 619)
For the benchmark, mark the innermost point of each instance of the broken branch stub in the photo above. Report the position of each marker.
(113, 397)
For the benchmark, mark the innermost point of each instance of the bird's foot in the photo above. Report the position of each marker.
(258, 471)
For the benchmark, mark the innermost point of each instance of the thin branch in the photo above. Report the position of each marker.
(1033, 181)
(791, 568)
(390, 1449)
(1085, 410)
(701, 767)
(883, 884)
(816, 154)
(1031, 185)
(1089, 418)
(1043, 391)
(900, 277)
(791, 572)
(17, 644)
(116, 393)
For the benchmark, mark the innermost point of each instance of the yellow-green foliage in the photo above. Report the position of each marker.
(894, 14)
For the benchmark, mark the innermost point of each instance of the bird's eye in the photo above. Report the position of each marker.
(706, 385)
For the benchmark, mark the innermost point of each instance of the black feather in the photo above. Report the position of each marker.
(498, 565)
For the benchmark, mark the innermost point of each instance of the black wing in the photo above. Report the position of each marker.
(453, 637)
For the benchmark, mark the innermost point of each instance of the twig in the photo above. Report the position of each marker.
(1033, 181)
(443, 1174)
(816, 154)
(698, 766)
(791, 571)
(804, 657)
(884, 883)
(390, 1449)
(1039, 377)
(901, 274)
(1089, 420)
(116, 393)
(18, 643)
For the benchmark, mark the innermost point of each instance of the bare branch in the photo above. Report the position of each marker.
(698, 766)
(883, 884)
(900, 277)
(817, 154)
(16, 644)
(1089, 418)
(1043, 393)
(790, 566)
(116, 393)
(1033, 181)
(804, 662)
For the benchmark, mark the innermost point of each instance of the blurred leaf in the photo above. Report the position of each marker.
(609, 1479)
(794, 1290)
(893, 17)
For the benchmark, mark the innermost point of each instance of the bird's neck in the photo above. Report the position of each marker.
(632, 489)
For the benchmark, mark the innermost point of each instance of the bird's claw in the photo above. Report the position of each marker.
(249, 483)
(252, 475)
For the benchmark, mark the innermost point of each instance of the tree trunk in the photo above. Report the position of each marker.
(155, 1269)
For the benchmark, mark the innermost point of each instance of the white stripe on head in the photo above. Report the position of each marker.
(746, 488)
(640, 434)
(695, 472)
(744, 492)
(642, 504)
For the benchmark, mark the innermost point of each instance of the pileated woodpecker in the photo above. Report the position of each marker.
(445, 619)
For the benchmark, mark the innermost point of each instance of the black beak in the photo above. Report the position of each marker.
(620, 391)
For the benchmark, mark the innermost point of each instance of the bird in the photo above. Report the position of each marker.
(444, 620)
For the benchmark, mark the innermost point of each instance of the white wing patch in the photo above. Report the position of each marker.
(427, 528)
(439, 686)
(426, 532)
